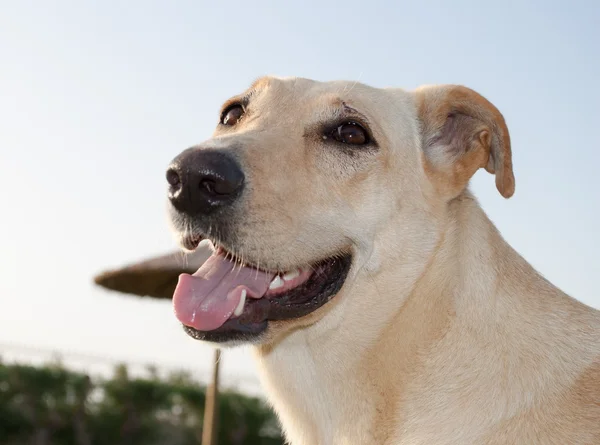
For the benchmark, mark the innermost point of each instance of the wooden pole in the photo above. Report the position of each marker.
(211, 407)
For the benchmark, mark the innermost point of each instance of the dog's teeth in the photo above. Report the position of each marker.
(240, 307)
(291, 275)
(276, 283)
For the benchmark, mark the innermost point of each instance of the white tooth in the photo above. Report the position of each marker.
(240, 307)
(291, 275)
(276, 283)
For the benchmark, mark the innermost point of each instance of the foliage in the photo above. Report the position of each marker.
(51, 405)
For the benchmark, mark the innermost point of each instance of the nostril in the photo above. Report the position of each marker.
(218, 186)
(173, 178)
(210, 185)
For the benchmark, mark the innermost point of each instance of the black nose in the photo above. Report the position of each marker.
(201, 181)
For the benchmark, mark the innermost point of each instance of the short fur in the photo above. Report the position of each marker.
(442, 334)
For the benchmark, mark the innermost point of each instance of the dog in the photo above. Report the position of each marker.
(381, 303)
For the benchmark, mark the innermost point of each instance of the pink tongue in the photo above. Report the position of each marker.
(208, 298)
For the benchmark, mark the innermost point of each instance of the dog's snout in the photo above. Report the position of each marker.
(201, 181)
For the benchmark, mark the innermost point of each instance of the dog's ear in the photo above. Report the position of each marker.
(462, 132)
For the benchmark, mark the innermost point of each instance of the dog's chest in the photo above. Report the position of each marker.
(316, 401)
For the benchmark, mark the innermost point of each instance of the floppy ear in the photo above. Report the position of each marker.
(462, 132)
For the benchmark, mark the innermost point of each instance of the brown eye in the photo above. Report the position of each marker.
(350, 133)
(232, 115)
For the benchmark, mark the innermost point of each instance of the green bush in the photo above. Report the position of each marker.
(51, 405)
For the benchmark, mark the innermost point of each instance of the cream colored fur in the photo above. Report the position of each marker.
(442, 333)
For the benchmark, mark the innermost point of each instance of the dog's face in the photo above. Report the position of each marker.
(297, 189)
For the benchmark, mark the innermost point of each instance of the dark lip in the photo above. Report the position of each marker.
(327, 280)
(191, 242)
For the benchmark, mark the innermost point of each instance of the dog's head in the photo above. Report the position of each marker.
(305, 183)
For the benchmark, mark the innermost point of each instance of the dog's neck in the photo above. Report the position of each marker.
(469, 306)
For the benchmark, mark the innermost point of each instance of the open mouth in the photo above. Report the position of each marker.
(228, 300)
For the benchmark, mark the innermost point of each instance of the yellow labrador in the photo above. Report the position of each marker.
(382, 304)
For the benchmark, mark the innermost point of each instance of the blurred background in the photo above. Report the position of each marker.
(97, 97)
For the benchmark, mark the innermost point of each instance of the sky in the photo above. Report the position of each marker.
(97, 97)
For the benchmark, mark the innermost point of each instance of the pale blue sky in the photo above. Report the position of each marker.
(97, 97)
